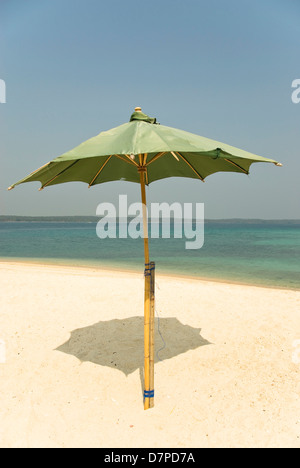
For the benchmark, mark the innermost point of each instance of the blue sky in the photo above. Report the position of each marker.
(224, 70)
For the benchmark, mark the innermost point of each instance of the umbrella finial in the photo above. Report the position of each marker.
(139, 115)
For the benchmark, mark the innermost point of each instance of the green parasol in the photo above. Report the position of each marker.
(143, 151)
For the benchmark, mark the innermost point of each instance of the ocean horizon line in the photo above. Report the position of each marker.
(87, 218)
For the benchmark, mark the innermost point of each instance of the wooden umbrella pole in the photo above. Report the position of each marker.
(152, 317)
(147, 371)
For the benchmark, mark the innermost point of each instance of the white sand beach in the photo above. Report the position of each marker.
(71, 375)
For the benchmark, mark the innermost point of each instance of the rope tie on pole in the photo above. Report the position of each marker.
(148, 269)
(148, 394)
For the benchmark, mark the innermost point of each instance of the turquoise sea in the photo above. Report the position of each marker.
(257, 253)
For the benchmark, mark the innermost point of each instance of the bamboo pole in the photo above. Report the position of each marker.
(151, 339)
(147, 388)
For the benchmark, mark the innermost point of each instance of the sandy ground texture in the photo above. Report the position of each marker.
(71, 362)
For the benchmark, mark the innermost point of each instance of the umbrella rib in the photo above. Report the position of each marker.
(236, 165)
(189, 164)
(57, 175)
(132, 161)
(101, 168)
(40, 168)
(129, 161)
(31, 174)
(159, 155)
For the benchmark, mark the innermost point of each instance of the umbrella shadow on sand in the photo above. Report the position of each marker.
(119, 344)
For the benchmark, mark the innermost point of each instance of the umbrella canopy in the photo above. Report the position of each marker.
(166, 152)
(143, 151)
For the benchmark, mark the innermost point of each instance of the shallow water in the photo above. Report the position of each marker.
(262, 254)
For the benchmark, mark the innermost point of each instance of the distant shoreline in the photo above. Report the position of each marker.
(95, 219)
(73, 265)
